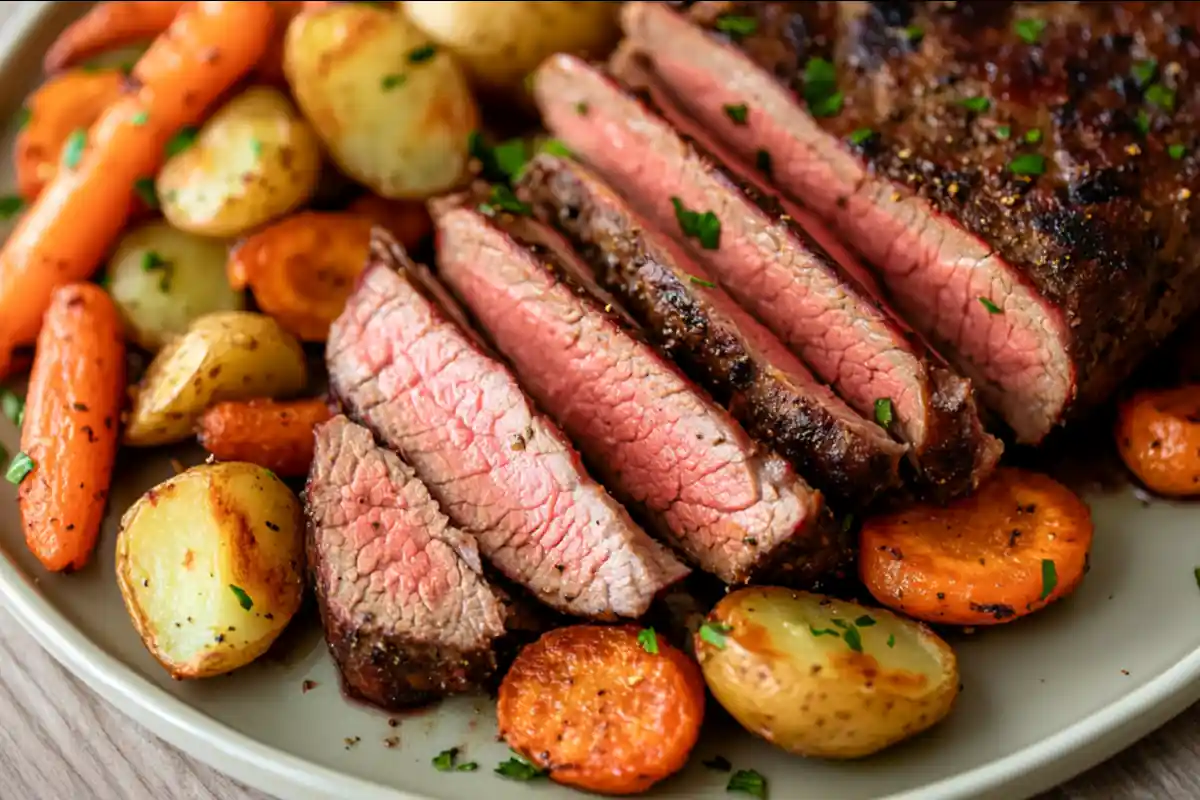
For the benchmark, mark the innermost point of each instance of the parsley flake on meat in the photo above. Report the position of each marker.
(1028, 164)
(820, 88)
(736, 25)
(1030, 30)
(762, 162)
(701, 282)
(738, 113)
(991, 307)
(704, 228)
(884, 414)
(1176, 151)
(976, 104)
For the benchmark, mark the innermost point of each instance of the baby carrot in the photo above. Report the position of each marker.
(109, 26)
(80, 213)
(69, 434)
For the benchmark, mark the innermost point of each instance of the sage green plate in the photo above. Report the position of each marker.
(1043, 699)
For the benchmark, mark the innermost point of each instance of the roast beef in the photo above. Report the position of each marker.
(661, 444)
(500, 470)
(407, 612)
(1017, 173)
(693, 321)
(772, 268)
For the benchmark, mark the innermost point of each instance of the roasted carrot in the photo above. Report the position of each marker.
(58, 116)
(65, 234)
(69, 434)
(1158, 436)
(604, 709)
(302, 268)
(109, 26)
(407, 220)
(1020, 542)
(275, 435)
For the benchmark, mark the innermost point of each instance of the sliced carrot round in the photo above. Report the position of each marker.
(407, 220)
(1020, 542)
(1158, 437)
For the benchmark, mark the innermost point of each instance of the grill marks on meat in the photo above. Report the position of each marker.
(407, 613)
(770, 267)
(1089, 263)
(654, 438)
(500, 470)
(743, 364)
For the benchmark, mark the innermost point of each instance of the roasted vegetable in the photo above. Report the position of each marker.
(393, 109)
(163, 278)
(824, 677)
(1158, 436)
(407, 220)
(278, 436)
(254, 160)
(1020, 542)
(210, 566)
(226, 355)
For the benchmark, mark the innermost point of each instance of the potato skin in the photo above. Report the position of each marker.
(811, 693)
(226, 355)
(277, 436)
(254, 160)
(185, 546)
(590, 705)
(186, 281)
(394, 113)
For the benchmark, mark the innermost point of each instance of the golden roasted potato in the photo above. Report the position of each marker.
(254, 160)
(393, 109)
(501, 42)
(824, 677)
(226, 355)
(162, 278)
(210, 566)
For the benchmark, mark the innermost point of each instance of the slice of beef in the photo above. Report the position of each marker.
(739, 511)
(407, 612)
(693, 321)
(501, 470)
(773, 269)
(1014, 171)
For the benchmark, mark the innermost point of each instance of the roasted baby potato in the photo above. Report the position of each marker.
(501, 42)
(226, 355)
(824, 677)
(254, 160)
(394, 110)
(210, 566)
(162, 278)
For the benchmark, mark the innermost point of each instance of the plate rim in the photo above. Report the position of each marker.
(1034, 768)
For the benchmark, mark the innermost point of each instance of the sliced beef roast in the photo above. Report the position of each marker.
(742, 363)
(770, 266)
(407, 613)
(501, 471)
(658, 441)
(1019, 186)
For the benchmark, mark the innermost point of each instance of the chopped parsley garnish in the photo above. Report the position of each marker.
(469, 766)
(1033, 136)
(444, 761)
(747, 781)
(12, 406)
(503, 199)
(865, 621)
(23, 117)
(422, 54)
(1196, 575)
(820, 88)
(10, 205)
(914, 34)
(737, 113)
(648, 639)
(839, 623)
(581, 108)
(701, 282)
(144, 189)
(891, 642)
(1177, 151)
(736, 25)
(976, 104)
(1161, 97)
(19, 468)
(1030, 30)
(847, 523)
(860, 136)
(815, 631)
(140, 118)
(555, 147)
(884, 413)
(703, 227)
(1003, 131)
(721, 763)
(1028, 164)
(991, 307)
(72, 152)
(1141, 121)
(1144, 71)
(256, 146)
(243, 599)
(511, 157)
(389, 82)
(852, 639)
(152, 260)
(714, 633)
(762, 162)
(181, 141)
(1049, 578)
(479, 150)
(518, 769)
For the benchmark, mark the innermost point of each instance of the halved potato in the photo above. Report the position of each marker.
(162, 278)
(226, 355)
(255, 160)
(824, 677)
(210, 566)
